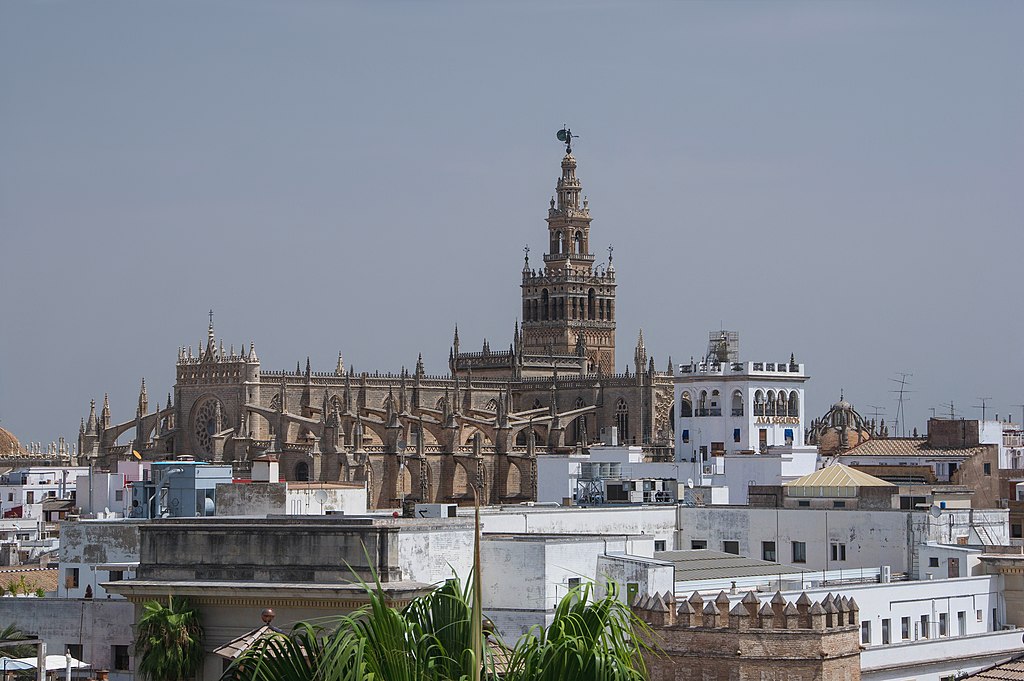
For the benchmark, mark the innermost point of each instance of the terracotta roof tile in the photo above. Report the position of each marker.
(1012, 670)
(35, 578)
(907, 446)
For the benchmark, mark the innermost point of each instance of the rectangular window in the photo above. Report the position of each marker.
(768, 551)
(979, 615)
(71, 578)
(76, 650)
(30, 497)
(838, 504)
(799, 552)
(659, 544)
(886, 634)
(838, 551)
(116, 575)
(1017, 531)
(686, 435)
(732, 547)
(804, 503)
(933, 562)
(961, 623)
(789, 436)
(699, 544)
(925, 627)
(574, 582)
(735, 434)
(762, 438)
(119, 654)
(865, 632)
(905, 628)
(943, 625)
(987, 468)
(119, 495)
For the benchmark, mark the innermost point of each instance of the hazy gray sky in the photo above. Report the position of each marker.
(838, 180)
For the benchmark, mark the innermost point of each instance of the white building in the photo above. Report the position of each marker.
(525, 576)
(821, 539)
(606, 474)
(731, 411)
(925, 630)
(23, 490)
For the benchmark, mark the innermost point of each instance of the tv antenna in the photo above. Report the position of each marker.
(1021, 413)
(982, 406)
(876, 411)
(949, 406)
(901, 392)
(565, 135)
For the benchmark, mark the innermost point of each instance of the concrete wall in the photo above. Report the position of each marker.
(95, 625)
(871, 538)
(84, 544)
(255, 499)
(525, 577)
(657, 521)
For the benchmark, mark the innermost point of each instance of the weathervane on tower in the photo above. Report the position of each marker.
(565, 135)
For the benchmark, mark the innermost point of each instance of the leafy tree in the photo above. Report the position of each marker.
(169, 642)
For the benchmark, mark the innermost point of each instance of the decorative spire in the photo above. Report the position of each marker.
(671, 369)
(91, 425)
(339, 370)
(211, 345)
(143, 407)
(455, 341)
(526, 248)
(252, 353)
(611, 267)
(105, 414)
(309, 372)
(419, 365)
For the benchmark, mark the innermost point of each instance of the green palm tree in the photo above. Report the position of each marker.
(432, 639)
(11, 632)
(169, 641)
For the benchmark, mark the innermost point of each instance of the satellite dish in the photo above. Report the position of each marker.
(935, 511)
(689, 483)
(321, 496)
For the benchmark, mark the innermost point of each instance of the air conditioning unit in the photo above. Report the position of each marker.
(436, 510)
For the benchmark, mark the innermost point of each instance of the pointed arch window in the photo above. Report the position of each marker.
(579, 242)
(685, 406)
(580, 424)
(622, 419)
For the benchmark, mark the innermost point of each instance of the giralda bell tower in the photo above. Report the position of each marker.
(569, 304)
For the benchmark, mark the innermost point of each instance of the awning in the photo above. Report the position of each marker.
(54, 663)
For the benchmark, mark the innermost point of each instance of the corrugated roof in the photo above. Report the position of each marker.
(838, 475)
(1011, 670)
(697, 564)
(907, 446)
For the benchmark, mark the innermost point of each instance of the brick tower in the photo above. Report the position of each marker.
(569, 304)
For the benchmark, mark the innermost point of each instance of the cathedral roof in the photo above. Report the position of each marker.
(9, 444)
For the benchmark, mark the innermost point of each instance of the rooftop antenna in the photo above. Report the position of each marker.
(565, 135)
(900, 420)
(876, 411)
(952, 411)
(982, 406)
(1021, 413)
